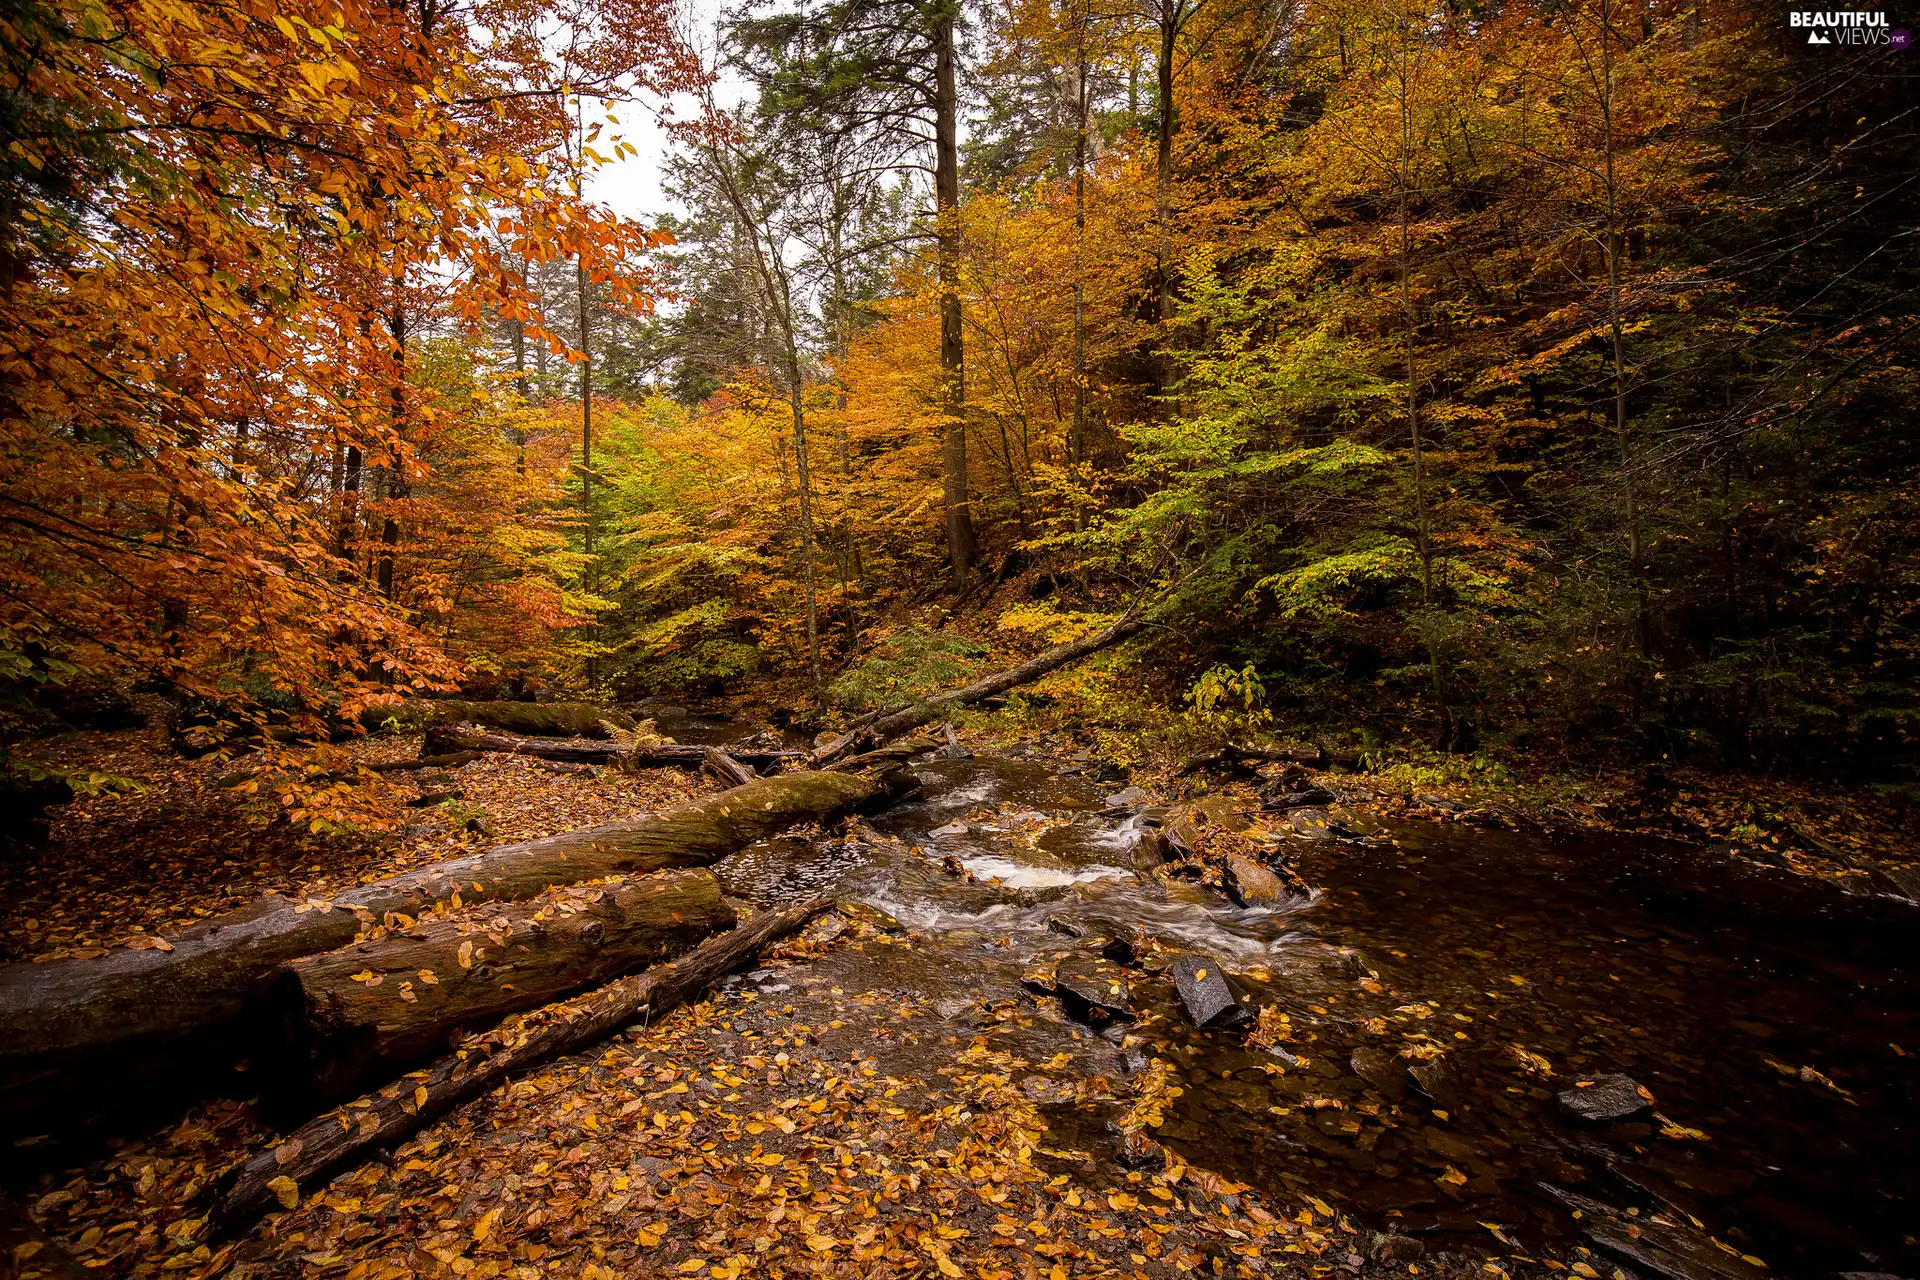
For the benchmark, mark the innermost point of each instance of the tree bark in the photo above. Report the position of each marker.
(367, 1012)
(339, 1138)
(723, 765)
(465, 737)
(75, 1035)
(892, 726)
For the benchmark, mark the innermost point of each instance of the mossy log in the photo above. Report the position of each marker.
(366, 1012)
(74, 1034)
(466, 737)
(339, 1138)
(540, 719)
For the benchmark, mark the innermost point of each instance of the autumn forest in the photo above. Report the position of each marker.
(1494, 418)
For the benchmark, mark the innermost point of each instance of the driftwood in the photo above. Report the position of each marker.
(79, 1038)
(368, 1011)
(547, 719)
(727, 768)
(466, 737)
(340, 1138)
(940, 705)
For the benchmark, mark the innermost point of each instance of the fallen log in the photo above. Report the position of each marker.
(339, 1138)
(466, 737)
(80, 1039)
(727, 768)
(544, 719)
(940, 705)
(368, 1011)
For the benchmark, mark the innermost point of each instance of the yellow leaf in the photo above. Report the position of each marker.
(286, 1191)
(420, 1096)
(821, 1244)
(483, 1228)
(650, 1235)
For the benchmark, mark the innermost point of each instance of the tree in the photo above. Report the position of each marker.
(882, 78)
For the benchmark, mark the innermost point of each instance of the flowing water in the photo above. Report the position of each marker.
(1774, 1021)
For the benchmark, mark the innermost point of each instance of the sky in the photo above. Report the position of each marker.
(630, 186)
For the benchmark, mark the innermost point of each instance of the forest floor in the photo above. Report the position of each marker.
(811, 1121)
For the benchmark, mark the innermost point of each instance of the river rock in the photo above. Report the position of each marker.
(1903, 881)
(1312, 823)
(1127, 798)
(1209, 999)
(1094, 988)
(1385, 1071)
(1150, 850)
(1604, 1098)
(1434, 1078)
(1657, 1243)
(1251, 885)
(1390, 1249)
(1181, 832)
(1312, 796)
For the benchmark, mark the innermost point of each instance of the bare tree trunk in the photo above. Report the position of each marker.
(586, 436)
(1077, 442)
(1423, 517)
(961, 549)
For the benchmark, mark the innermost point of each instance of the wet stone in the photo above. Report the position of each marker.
(1094, 989)
(1657, 1245)
(1311, 797)
(1251, 885)
(1390, 1248)
(1210, 1001)
(1126, 798)
(1604, 1098)
(1385, 1071)
(1435, 1079)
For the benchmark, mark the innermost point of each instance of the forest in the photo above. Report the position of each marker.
(1179, 637)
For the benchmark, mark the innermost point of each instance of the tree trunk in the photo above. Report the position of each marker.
(946, 186)
(1170, 18)
(339, 1138)
(367, 1012)
(892, 726)
(448, 738)
(81, 1034)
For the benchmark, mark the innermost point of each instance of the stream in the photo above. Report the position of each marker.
(1773, 1020)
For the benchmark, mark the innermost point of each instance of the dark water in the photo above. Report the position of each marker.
(1775, 1022)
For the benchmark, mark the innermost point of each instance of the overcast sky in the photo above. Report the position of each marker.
(631, 184)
